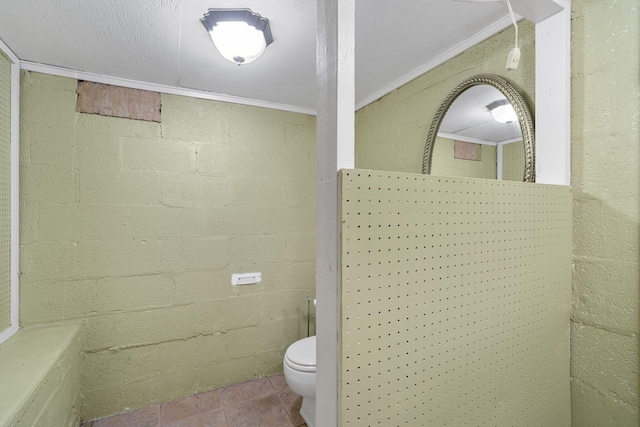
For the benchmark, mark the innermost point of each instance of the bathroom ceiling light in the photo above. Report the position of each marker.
(240, 35)
(502, 111)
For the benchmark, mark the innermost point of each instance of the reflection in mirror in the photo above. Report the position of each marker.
(478, 133)
(479, 137)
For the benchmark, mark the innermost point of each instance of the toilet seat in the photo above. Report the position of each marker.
(301, 355)
(299, 368)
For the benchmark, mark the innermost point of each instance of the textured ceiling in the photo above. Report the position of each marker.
(163, 42)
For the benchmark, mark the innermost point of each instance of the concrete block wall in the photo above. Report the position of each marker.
(445, 164)
(605, 148)
(134, 228)
(40, 369)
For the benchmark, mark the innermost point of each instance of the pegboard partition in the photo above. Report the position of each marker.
(5, 193)
(513, 161)
(455, 298)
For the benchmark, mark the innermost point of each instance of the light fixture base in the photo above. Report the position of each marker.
(514, 59)
(240, 35)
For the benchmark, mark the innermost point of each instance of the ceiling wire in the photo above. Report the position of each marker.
(513, 18)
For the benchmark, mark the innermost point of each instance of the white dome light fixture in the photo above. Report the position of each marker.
(240, 35)
(502, 111)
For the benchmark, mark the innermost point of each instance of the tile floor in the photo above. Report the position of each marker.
(265, 402)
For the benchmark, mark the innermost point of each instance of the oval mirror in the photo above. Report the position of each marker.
(483, 129)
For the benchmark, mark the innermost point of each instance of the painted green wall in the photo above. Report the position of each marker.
(605, 148)
(445, 164)
(40, 369)
(391, 132)
(134, 228)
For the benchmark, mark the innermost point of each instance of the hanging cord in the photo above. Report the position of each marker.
(513, 19)
(514, 55)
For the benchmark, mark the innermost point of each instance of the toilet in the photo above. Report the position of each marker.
(300, 373)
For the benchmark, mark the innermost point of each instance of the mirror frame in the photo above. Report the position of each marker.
(519, 105)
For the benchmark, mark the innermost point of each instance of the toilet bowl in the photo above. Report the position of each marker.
(300, 373)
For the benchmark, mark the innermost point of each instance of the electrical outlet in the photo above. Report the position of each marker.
(245, 278)
(513, 59)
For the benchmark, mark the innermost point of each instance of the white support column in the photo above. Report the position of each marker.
(499, 149)
(553, 97)
(335, 65)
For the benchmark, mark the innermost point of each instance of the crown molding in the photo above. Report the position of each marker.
(172, 90)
